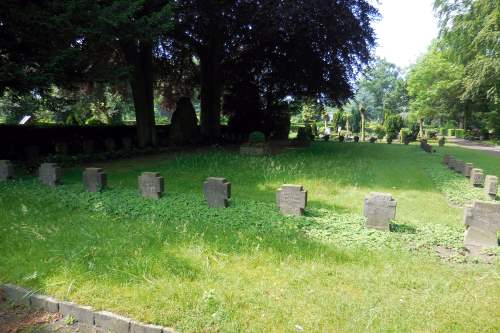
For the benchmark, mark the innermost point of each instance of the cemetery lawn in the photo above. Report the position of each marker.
(176, 263)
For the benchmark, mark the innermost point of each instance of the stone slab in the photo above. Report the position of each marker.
(111, 322)
(45, 303)
(460, 166)
(446, 159)
(136, 327)
(84, 314)
(94, 179)
(151, 185)
(379, 210)
(482, 221)
(291, 199)
(468, 169)
(477, 177)
(50, 174)
(491, 186)
(17, 295)
(217, 192)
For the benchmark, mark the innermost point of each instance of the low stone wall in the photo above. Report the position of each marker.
(102, 320)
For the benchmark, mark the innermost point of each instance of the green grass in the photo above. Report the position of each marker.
(177, 263)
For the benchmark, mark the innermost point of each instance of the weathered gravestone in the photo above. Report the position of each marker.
(109, 144)
(291, 199)
(467, 169)
(459, 166)
(491, 186)
(151, 185)
(446, 159)
(94, 179)
(482, 222)
(217, 192)
(6, 170)
(451, 163)
(477, 177)
(380, 209)
(50, 174)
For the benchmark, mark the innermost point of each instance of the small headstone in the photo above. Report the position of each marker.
(50, 174)
(477, 177)
(151, 185)
(110, 145)
(126, 143)
(26, 120)
(6, 170)
(446, 159)
(467, 169)
(291, 199)
(94, 179)
(380, 209)
(482, 222)
(460, 166)
(88, 147)
(491, 186)
(451, 163)
(217, 192)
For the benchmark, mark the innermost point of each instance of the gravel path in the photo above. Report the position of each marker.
(487, 148)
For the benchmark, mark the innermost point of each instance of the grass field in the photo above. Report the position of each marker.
(177, 263)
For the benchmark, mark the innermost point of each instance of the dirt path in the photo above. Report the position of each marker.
(487, 148)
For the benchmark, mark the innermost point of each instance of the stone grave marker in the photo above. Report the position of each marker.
(446, 159)
(460, 166)
(50, 174)
(451, 163)
(477, 177)
(6, 170)
(291, 199)
(94, 179)
(151, 185)
(482, 222)
(467, 169)
(110, 144)
(491, 186)
(380, 209)
(217, 192)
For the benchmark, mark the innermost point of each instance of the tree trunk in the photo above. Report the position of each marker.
(362, 126)
(139, 56)
(211, 90)
(421, 130)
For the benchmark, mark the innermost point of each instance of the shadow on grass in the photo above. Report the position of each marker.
(402, 228)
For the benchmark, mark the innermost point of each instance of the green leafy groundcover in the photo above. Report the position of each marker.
(325, 226)
(456, 187)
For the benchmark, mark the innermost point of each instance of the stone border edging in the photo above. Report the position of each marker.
(104, 320)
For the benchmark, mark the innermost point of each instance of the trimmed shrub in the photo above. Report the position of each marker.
(451, 132)
(373, 139)
(393, 124)
(389, 140)
(356, 138)
(443, 131)
(341, 138)
(380, 132)
(256, 137)
(404, 135)
(459, 133)
(303, 136)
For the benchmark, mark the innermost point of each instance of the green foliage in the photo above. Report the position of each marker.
(393, 124)
(184, 124)
(443, 131)
(256, 137)
(459, 133)
(451, 132)
(379, 131)
(404, 136)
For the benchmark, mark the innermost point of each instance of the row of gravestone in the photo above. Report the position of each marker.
(476, 175)
(482, 219)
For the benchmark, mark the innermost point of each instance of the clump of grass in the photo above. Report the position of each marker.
(455, 187)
